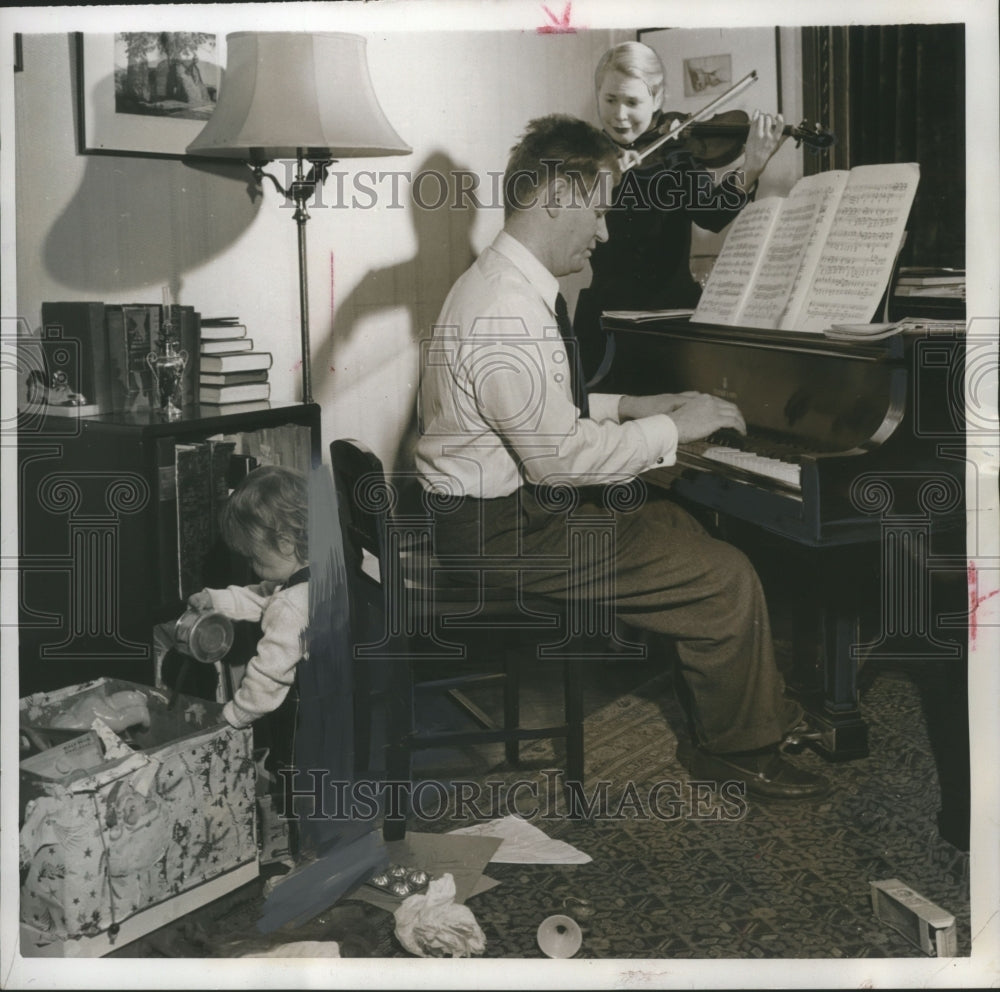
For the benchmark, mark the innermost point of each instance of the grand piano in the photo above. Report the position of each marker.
(847, 491)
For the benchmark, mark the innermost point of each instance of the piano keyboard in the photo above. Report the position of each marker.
(750, 461)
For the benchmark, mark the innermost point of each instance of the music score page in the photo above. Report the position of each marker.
(822, 255)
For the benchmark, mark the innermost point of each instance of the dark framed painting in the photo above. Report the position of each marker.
(147, 92)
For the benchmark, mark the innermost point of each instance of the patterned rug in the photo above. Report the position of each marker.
(777, 880)
(680, 872)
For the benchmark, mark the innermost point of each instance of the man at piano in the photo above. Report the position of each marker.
(506, 420)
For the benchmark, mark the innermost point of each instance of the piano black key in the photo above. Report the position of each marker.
(729, 437)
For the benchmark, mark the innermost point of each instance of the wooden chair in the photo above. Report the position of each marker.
(425, 618)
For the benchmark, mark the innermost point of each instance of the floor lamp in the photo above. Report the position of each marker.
(302, 96)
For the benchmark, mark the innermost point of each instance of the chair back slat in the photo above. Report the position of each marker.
(364, 500)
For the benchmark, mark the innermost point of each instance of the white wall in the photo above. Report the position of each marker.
(119, 228)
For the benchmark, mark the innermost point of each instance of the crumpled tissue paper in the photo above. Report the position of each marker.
(432, 925)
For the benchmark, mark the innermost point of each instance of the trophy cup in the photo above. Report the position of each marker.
(167, 369)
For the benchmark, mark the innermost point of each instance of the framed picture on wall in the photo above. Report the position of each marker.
(146, 92)
(700, 64)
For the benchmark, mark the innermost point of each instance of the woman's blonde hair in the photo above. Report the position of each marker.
(636, 60)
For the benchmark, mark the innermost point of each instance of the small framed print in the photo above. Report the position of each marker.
(700, 64)
(147, 92)
(708, 75)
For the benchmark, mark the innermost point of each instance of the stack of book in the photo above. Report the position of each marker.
(930, 292)
(233, 376)
(940, 283)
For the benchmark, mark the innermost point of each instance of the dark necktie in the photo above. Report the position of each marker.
(577, 380)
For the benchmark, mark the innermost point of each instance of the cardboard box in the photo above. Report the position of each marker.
(116, 824)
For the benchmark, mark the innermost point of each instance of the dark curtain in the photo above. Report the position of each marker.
(897, 94)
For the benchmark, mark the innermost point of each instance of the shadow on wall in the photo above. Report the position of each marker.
(417, 285)
(146, 221)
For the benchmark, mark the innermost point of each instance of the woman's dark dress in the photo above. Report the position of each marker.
(644, 264)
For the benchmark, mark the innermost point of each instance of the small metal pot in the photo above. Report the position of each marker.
(204, 635)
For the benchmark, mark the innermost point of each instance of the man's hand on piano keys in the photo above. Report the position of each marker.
(702, 415)
(696, 415)
(636, 407)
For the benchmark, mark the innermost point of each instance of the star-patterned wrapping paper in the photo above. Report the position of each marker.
(173, 808)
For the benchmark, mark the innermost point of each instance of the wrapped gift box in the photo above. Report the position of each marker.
(122, 824)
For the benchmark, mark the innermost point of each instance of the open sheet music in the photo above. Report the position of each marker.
(822, 255)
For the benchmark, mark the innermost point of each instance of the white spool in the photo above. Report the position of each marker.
(559, 937)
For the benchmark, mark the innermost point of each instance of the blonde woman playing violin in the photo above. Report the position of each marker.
(644, 265)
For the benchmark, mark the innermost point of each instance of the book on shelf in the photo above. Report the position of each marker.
(133, 332)
(219, 560)
(284, 444)
(937, 290)
(233, 378)
(234, 394)
(217, 332)
(193, 478)
(824, 254)
(75, 378)
(166, 518)
(185, 328)
(914, 275)
(230, 409)
(239, 467)
(219, 321)
(247, 361)
(225, 346)
(221, 450)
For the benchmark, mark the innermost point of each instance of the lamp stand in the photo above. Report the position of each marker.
(301, 192)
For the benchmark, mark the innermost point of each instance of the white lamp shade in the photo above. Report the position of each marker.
(290, 93)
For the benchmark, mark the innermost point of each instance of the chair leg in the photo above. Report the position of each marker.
(362, 726)
(512, 709)
(398, 753)
(398, 770)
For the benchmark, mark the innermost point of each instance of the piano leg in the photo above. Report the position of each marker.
(818, 596)
(825, 637)
(832, 704)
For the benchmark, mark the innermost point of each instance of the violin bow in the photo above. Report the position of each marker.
(707, 111)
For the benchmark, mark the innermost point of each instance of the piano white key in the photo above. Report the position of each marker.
(772, 468)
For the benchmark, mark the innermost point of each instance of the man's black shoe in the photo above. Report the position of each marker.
(768, 775)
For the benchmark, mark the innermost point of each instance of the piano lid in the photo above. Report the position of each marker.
(837, 410)
(802, 389)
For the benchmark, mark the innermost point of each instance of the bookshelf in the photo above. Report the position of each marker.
(99, 531)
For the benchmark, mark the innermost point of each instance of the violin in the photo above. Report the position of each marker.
(720, 139)
(717, 140)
